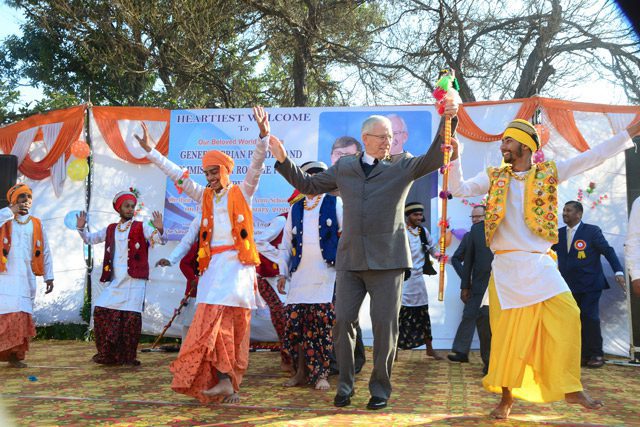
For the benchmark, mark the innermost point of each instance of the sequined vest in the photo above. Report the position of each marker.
(540, 200)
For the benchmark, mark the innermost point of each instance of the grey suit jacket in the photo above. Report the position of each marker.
(373, 231)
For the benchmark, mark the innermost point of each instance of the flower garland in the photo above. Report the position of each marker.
(483, 202)
(588, 197)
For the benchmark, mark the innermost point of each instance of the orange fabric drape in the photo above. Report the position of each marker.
(107, 120)
(565, 123)
(467, 128)
(560, 114)
(73, 121)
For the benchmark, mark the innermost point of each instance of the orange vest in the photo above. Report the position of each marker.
(540, 200)
(241, 219)
(37, 246)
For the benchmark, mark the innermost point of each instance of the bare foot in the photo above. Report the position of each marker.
(295, 380)
(15, 363)
(287, 367)
(502, 411)
(234, 398)
(432, 354)
(223, 388)
(582, 398)
(322, 384)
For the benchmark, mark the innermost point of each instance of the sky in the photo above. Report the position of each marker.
(596, 91)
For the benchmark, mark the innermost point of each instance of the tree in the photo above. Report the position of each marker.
(189, 53)
(306, 38)
(500, 50)
(195, 53)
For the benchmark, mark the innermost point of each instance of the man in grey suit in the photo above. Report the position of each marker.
(373, 251)
(475, 279)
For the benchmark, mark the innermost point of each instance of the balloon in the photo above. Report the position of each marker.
(80, 149)
(70, 220)
(459, 233)
(78, 169)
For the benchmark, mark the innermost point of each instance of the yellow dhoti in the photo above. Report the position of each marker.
(535, 350)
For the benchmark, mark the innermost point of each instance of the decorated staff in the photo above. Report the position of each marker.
(447, 86)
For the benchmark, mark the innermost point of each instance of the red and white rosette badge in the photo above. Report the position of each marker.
(580, 246)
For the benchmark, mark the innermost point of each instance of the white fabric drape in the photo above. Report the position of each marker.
(58, 170)
(23, 142)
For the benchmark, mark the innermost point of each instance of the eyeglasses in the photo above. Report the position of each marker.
(381, 137)
(477, 216)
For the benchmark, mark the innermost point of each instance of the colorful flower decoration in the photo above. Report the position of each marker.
(180, 181)
(588, 196)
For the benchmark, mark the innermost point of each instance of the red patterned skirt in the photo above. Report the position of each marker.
(217, 342)
(117, 334)
(16, 329)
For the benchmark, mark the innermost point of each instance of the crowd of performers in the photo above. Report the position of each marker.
(349, 232)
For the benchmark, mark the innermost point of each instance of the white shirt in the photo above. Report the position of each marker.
(414, 289)
(525, 277)
(632, 242)
(18, 283)
(314, 279)
(226, 281)
(368, 159)
(571, 231)
(263, 243)
(123, 292)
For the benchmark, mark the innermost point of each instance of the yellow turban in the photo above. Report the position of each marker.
(523, 132)
(15, 192)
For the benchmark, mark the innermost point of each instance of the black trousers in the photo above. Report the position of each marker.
(589, 304)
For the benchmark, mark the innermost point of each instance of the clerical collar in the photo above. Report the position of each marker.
(368, 159)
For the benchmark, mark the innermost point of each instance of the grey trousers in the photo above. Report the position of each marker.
(474, 316)
(385, 290)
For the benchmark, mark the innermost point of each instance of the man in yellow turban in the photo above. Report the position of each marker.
(535, 322)
(24, 254)
(215, 354)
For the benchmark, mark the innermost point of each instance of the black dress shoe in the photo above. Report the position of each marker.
(342, 400)
(485, 369)
(376, 403)
(595, 362)
(458, 357)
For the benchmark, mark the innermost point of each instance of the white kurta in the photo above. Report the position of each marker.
(414, 289)
(632, 242)
(227, 281)
(266, 249)
(18, 283)
(263, 243)
(123, 292)
(524, 277)
(314, 279)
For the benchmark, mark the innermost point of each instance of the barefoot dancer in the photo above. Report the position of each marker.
(308, 249)
(24, 254)
(535, 353)
(215, 354)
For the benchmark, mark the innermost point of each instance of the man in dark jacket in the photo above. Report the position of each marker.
(579, 249)
(476, 271)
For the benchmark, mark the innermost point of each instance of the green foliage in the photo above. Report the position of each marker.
(185, 53)
(60, 331)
